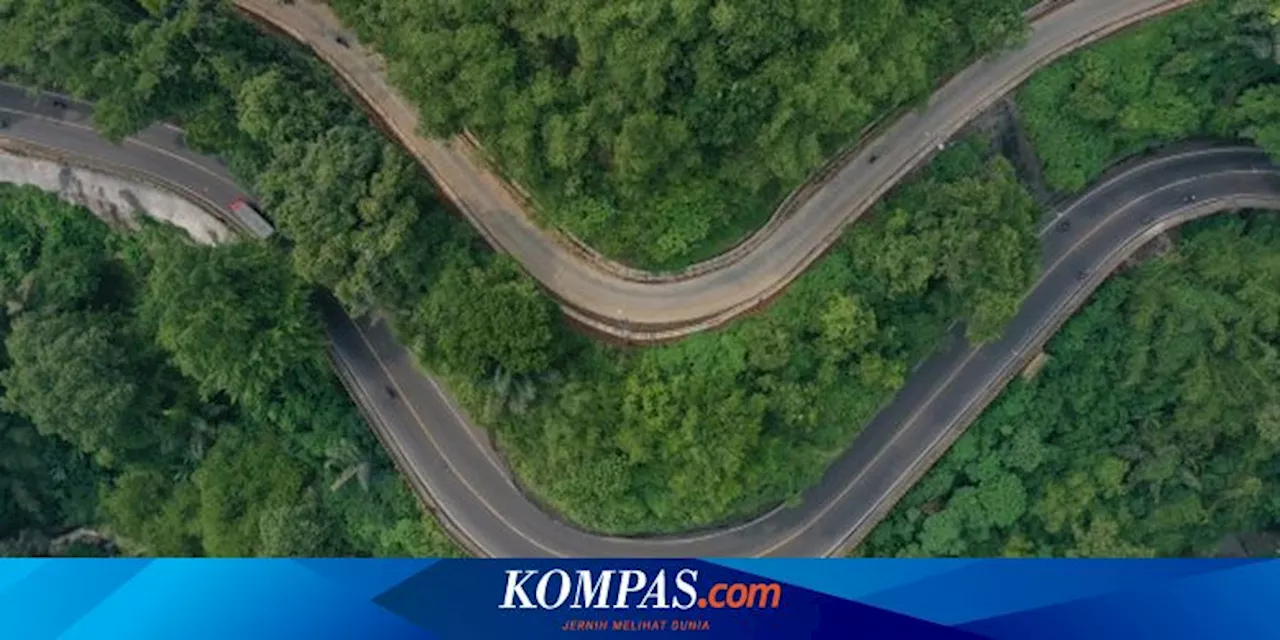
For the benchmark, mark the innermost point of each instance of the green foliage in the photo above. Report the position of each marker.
(296, 529)
(388, 520)
(243, 484)
(971, 233)
(722, 425)
(1170, 79)
(358, 219)
(195, 380)
(659, 131)
(233, 318)
(1151, 431)
(1257, 114)
(43, 482)
(71, 375)
(619, 441)
(145, 504)
(347, 199)
(485, 319)
(653, 132)
(52, 262)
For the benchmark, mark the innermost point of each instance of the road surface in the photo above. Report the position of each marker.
(645, 307)
(452, 466)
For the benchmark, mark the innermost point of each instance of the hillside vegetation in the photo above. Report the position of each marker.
(1204, 71)
(660, 132)
(726, 424)
(177, 399)
(1154, 430)
(619, 440)
(710, 429)
(1151, 431)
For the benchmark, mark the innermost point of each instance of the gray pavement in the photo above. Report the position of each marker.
(451, 464)
(643, 307)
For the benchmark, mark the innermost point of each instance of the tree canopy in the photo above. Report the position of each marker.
(1151, 432)
(71, 374)
(727, 423)
(223, 342)
(1170, 79)
(662, 131)
(177, 398)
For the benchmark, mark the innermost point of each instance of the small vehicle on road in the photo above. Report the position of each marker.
(1065, 225)
(1190, 197)
(251, 218)
(59, 103)
(391, 393)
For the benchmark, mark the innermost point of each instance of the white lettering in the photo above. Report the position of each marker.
(632, 581)
(587, 590)
(515, 589)
(686, 587)
(541, 592)
(657, 591)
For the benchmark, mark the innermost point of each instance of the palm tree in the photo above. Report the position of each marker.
(203, 426)
(346, 456)
(509, 394)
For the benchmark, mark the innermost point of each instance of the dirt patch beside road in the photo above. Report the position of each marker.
(117, 201)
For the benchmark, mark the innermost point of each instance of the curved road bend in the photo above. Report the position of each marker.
(453, 463)
(157, 153)
(613, 299)
(452, 466)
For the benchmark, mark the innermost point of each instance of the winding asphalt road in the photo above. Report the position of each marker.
(452, 466)
(646, 307)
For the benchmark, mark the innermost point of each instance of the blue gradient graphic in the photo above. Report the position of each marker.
(82, 599)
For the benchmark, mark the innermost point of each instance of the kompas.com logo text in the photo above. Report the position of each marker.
(612, 589)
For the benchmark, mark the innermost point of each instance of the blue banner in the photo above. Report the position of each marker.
(473, 599)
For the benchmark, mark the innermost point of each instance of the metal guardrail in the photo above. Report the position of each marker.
(22, 148)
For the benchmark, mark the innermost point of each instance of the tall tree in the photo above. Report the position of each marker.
(74, 376)
(489, 318)
(233, 318)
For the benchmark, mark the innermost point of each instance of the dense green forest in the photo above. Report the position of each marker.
(1200, 72)
(712, 428)
(143, 401)
(619, 440)
(1151, 431)
(1154, 430)
(661, 132)
(725, 424)
(357, 216)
